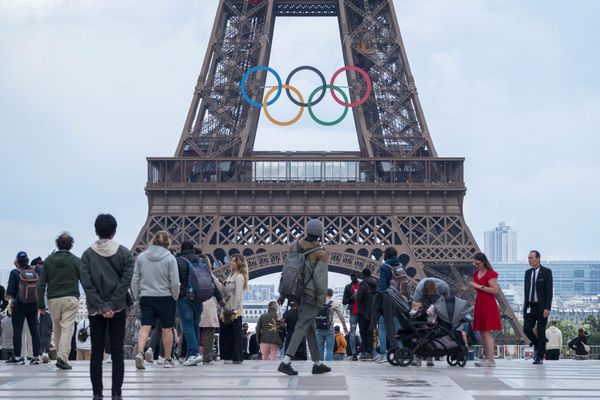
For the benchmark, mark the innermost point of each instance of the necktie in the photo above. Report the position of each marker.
(533, 285)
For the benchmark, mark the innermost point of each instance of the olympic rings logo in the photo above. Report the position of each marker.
(311, 101)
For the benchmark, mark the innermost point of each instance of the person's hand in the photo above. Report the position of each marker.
(42, 311)
(474, 285)
(345, 331)
(109, 314)
(546, 313)
(222, 303)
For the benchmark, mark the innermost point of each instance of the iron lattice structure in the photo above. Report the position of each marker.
(219, 193)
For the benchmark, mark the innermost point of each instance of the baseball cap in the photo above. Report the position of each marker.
(22, 256)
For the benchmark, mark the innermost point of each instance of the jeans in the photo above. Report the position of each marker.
(114, 327)
(325, 340)
(383, 335)
(190, 323)
(353, 324)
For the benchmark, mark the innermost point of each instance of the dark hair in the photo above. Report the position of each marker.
(23, 262)
(330, 292)
(337, 328)
(479, 256)
(273, 306)
(581, 331)
(389, 253)
(106, 226)
(64, 241)
(353, 275)
(429, 288)
(366, 272)
(537, 253)
(187, 245)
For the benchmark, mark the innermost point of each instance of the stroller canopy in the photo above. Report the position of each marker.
(452, 310)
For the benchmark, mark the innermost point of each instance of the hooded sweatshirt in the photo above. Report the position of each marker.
(106, 270)
(60, 277)
(155, 274)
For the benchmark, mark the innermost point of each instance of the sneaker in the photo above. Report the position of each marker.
(287, 369)
(320, 369)
(208, 362)
(416, 363)
(15, 361)
(45, 358)
(485, 363)
(62, 364)
(169, 364)
(354, 357)
(238, 362)
(149, 356)
(365, 357)
(34, 361)
(192, 360)
(430, 362)
(227, 362)
(378, 358)
(139, 361)
(160, 360)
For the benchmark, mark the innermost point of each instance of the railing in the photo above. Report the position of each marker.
(511, 352)
(174, 172)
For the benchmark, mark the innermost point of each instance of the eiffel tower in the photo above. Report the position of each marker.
(220, 193)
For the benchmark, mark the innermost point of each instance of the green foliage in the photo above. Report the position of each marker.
(592, 326)
(568, 329)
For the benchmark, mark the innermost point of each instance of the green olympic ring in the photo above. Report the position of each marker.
(314, 117)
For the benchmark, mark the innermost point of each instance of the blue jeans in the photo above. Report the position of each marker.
(325, 340)
(353, 324)
(383, 335)
(190, 323)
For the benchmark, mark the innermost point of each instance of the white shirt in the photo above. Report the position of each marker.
(534, 274)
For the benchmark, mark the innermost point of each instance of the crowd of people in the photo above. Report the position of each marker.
(182, 306)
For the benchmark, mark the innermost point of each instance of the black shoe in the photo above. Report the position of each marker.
(98, 397)
(62, 364)
(287, 369)
(538, 360)
(320, 369)
(34, 361)
(15, 361)
(117, 397)
(354, 357)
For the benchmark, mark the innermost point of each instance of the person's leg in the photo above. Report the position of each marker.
(488, 345)
(55, 313)
(208, 339)
(541, 328)
(32, 323)
(353, 325)
(321, 334)
(143, 334)
(97, 337)
(18, 319)
(265, 351)
(306, 323)
(382, 336)
(186, 313)
(116, 327)
(67, 309)
(167, 341)
(311, 340)
(225, 341)
(363, 327)
(528, 325)
(238, 340)
(197, 315)
(329, 342)
(274, 352)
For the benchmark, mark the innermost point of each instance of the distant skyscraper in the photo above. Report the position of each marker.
(501, 244)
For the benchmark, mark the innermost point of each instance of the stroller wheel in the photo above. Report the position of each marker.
(391, 358)
(462, 360)
(404, 357)
(452, 360)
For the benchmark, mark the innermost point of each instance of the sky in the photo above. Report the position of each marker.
(89, 88)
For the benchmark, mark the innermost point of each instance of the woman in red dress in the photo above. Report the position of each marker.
(486, 314)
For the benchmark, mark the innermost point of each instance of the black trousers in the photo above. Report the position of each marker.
(553, 354)
(366, 335)
(231, 341)
(530, 320)
(21, 313)
(114, 327)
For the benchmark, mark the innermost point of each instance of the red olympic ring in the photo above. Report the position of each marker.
(365, 76)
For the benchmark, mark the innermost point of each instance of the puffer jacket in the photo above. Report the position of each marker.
(315, 289)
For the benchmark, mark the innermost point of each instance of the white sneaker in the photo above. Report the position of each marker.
(149, 356)
(139, 361)
(192, 360)
(45, 358)
(160, 360)
(169, 364)
(416, 363)
(485, 363)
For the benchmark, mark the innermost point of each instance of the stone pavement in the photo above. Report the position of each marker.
(510, 380)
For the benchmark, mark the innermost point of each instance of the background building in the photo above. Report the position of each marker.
(500, 244)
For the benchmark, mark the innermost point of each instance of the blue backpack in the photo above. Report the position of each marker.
(200, 282)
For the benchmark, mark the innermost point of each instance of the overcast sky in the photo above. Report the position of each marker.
(88, 89)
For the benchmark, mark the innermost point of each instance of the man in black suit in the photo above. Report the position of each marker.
(538, 303)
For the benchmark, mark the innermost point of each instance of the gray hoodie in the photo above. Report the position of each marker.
(155, 274)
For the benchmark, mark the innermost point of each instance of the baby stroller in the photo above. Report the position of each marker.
(440, 336)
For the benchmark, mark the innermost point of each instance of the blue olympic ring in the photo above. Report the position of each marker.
(247, 75)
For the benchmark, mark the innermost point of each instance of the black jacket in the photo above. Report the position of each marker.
(347, 299)
(577, 344)
(3, 301)
(366, 290)
(184, 272)
(12, 289)
(543, 288)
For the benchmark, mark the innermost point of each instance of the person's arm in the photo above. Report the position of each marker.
(174, 277)
(13, 285)
(348, 292)
(125, 282)
(41, 288)
(135, 280)
(92, 294)
(548, 294)
(340, 313)
(384, 277)
(320, 280)
(259, 328)
(492, 287)
(238, 292)
(572, 344)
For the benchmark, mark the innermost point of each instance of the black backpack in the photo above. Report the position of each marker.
(82, 334)
(322, 320)
(28, 279)
(200, 282)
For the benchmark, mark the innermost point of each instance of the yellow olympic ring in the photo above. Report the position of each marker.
(285, 123)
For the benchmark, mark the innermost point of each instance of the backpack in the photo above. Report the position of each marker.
(291, 284)
(322, 320)
(82, 334)
(28, 279)
(399, 282)
(200, 282)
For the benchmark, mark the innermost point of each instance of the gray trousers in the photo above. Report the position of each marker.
(305, 327)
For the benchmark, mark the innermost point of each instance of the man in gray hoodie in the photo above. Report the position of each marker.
(106, 270)
(155, 284)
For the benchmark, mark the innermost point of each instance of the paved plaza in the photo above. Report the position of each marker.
(510, 380)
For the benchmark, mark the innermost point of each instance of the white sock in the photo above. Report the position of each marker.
(287, 359)
(317, 363)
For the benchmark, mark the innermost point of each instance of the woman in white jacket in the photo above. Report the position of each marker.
(155, 284)
(555, 342)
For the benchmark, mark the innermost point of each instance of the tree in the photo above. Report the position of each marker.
(592, 326)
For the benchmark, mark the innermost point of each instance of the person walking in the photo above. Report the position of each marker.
(388, 323)
(22, 295)
(314, 277)
(580, 345)
(60, 281)
(155, 284)
(189, 310)
(268, 332)
(339, 350)
(486, 313)
(290, 317)
(555, 341)
(349, 299)
(106, 271)
(230, 337)
(325, 327)
(366, 291)
(538, 304)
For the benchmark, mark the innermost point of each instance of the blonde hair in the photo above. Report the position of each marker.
(242, 268)
(162, 239)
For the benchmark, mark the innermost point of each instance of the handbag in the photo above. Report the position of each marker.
(586, 347)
